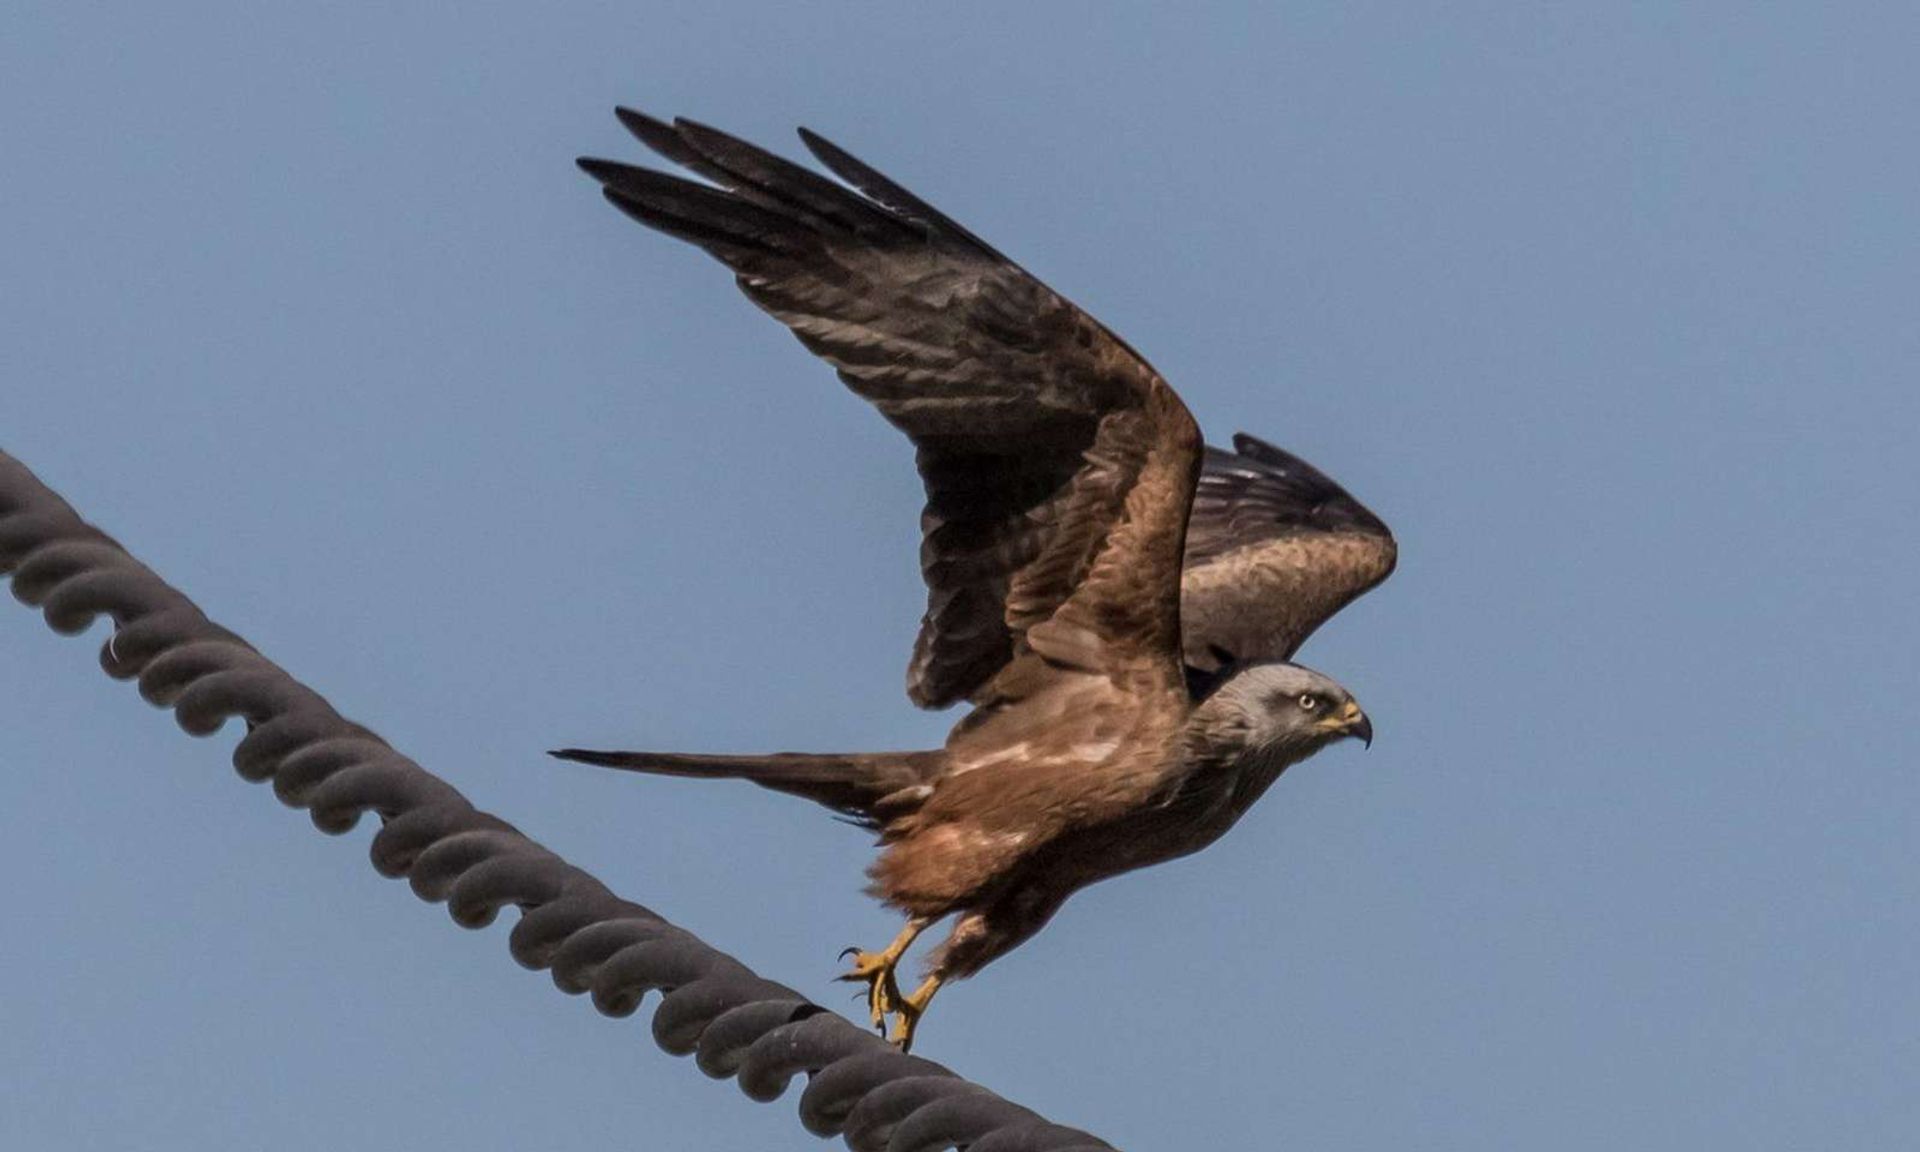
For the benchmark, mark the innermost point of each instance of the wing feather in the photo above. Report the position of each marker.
(1058, 465)
(1274, 549)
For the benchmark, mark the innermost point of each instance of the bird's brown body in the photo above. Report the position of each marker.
(1023, 791)
(1115, 600)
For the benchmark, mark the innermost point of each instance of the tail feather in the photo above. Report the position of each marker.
(869, 786)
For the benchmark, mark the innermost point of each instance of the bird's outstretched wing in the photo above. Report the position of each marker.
(1058, 465)
(1274, 548)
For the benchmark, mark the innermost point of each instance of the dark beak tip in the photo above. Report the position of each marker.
(1364, 730)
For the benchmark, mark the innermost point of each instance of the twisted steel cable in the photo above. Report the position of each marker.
(732, 1021)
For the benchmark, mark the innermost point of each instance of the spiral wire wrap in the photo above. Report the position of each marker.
(732, 1021)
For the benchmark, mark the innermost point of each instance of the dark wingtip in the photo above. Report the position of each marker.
(1289, 486)
(687, 126)
(1272, 458)
(664, 138)
(837, 159)
(631, 761)
(652, 131)
(638, 122)
(601, 170)
(1249, 445)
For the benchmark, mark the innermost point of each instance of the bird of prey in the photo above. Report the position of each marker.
(1117, 603)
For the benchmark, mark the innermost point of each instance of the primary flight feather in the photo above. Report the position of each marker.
(1122, 640)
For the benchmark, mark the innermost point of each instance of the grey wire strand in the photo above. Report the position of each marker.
(732, 1021)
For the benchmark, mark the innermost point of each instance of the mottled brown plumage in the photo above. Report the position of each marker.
(1274, 549)
(1060, 474)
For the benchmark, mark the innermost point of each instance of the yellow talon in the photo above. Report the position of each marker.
(876, 971)
(910, 1009)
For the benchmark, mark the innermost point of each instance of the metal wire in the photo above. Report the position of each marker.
(732, 1021)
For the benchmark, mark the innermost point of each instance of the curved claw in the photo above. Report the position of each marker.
(876, 971)
(911, 1009)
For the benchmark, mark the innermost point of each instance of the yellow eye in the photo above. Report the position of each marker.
(1309, 701)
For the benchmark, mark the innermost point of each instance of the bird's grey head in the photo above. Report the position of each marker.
(1285, 710)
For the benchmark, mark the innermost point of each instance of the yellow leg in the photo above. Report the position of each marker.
(876, 971)
(911, 1008)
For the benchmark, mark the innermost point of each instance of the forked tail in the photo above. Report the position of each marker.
(872, 787)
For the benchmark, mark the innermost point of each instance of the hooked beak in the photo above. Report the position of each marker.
(1354, 723)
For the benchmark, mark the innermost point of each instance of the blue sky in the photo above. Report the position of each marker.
(1610, 314)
